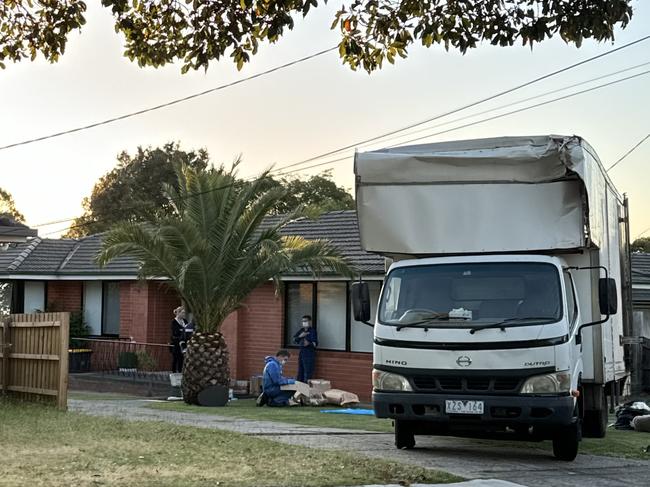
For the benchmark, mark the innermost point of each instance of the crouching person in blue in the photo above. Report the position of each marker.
(272, 379)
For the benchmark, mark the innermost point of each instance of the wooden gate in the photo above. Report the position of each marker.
(34, 357)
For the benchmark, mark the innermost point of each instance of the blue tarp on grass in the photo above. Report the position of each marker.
(365, 412)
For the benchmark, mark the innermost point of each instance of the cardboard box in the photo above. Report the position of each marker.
(300, 387)
(320, 385)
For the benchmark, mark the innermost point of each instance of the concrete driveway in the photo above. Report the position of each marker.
(522, 465)
(525, 465)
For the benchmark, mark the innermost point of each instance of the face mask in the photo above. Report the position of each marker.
(283, 361)
(305, 324)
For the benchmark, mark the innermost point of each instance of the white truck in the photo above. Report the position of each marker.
(504, 309)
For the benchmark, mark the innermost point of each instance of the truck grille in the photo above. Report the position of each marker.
(461, 384)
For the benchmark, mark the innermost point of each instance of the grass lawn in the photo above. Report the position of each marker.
(621, 444)
(624, 444)
(42, 446)
(308, 416)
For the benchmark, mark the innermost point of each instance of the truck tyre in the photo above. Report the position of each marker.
(566, 442)
(594, 424)
(404, 436)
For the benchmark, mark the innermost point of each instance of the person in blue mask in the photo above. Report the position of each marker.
(307, 339)
(273, 379)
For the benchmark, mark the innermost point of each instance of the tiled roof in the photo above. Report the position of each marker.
(10, 254)
(43, 256)
(69, 257)
(340, 228)
(11, 228)
(81, 260)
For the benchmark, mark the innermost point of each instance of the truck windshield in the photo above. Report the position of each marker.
(469, 295)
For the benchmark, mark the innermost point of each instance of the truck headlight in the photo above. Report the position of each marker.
(555, 383)
(387, 381)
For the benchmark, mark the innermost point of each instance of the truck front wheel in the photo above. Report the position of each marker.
(404, 437)
(566, 442)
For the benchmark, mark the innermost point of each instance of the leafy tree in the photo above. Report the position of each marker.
(641, 245)
(214, 252)
(316, 194)
(133, 190)
(8, 207)
(200, 31)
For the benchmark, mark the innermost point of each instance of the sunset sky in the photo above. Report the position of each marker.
(304, 110)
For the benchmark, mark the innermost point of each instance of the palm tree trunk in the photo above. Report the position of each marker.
(205, 365)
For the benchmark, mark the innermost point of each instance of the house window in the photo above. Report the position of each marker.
(5, 297)
(331, 314)
(328, 302)
(299, 302)
(361, 334)
(35, 296)
(92, 304)
(111, 308)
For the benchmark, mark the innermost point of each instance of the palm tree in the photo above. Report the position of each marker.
(215, 249)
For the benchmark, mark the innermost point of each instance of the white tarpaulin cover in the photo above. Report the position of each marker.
(487, 195)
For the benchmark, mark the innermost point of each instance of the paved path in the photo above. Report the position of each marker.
(525, 466)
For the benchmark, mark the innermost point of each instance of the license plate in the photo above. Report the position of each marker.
(455, 406)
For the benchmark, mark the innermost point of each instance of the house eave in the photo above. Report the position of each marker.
(72, 277)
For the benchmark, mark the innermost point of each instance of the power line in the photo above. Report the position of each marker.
(282, 172)
(644, 231)
(628, 152)
(473, 104)
(170, 103)
(518, 102)
(282, 169)
(530, 107)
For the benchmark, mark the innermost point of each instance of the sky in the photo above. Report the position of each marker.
(305, 110)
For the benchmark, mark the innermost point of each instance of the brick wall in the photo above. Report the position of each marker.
(65, 295)
(259, 330)
(260, 327)
(252, 332)
(163, 300)
(347, 371)
(146, 311)
(134, 310)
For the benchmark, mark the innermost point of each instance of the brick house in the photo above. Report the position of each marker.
(61, 273)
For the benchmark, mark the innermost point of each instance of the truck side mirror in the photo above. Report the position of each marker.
(607, 296)
(361, 301)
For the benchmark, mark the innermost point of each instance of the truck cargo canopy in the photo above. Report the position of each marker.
(509, 194)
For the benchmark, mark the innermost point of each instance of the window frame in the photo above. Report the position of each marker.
(103, 310)
(348, 315)
(572, 321)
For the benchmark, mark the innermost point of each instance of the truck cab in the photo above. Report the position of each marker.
(499, 313)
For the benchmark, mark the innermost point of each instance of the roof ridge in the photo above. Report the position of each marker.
(24, 254)
(67, 258)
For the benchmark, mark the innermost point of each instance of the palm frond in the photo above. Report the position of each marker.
(216, 248)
